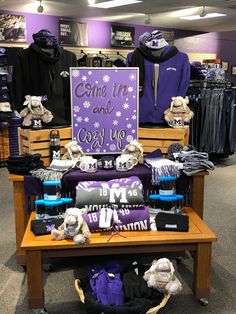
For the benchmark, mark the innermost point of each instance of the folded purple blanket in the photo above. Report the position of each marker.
(130, 220)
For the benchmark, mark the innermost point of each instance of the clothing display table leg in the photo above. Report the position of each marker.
(35, 279)
(202, 271)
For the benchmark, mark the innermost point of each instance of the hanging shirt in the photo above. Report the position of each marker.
(159, 83)
(38, 73)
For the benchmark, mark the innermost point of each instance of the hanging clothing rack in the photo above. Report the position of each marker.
(209, 84)
(213, 126)
(103, 54)
(84, 53)
(119, 54)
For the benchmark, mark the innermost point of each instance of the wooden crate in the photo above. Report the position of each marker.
(162, 138)
(4, 147)
(37, 142)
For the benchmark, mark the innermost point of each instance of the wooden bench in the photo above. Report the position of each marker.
(198, 240)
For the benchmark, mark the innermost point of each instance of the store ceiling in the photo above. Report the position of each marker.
(161, 13)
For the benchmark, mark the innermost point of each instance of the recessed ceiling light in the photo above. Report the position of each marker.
(114, 3)
(199, 17)
(91, 2)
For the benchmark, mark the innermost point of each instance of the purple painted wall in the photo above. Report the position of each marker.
(223, 44)
(201, 43)
(98, 32)
(103, 40)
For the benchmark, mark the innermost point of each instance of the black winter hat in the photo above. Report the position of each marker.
(45, 38)
(172, 222)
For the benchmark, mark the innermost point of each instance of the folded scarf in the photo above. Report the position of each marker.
(161, 167)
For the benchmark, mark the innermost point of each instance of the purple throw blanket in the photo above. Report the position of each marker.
(131, 220)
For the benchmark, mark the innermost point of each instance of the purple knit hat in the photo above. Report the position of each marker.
(153, 40)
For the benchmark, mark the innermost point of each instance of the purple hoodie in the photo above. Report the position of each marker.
(174, 76)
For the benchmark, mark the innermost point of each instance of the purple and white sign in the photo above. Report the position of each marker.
(104, 108)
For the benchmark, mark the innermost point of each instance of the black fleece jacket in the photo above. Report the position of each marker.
(37, 73)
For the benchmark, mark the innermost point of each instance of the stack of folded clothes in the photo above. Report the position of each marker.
(22, 164)
(116, 289)
(118, 202)
(193, 161)
(5, 108)
(198, 71)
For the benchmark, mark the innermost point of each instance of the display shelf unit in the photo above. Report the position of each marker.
(37, 142)
(4, 147)
(162, 138)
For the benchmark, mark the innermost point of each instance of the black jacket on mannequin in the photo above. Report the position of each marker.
(42, 72)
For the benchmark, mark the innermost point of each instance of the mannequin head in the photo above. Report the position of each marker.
(153, 40)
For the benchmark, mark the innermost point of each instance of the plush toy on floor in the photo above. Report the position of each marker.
(34, 110)
(74, 227)
(74, 151)
(135, 148)
(160, 276)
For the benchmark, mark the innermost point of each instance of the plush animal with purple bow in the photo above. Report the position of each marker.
(74, 227)
(34, 110)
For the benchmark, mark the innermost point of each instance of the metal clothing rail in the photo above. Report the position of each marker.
(209, 84)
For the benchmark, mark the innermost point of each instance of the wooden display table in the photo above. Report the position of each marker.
(4, 146)
(197, 202)
(198, 240)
